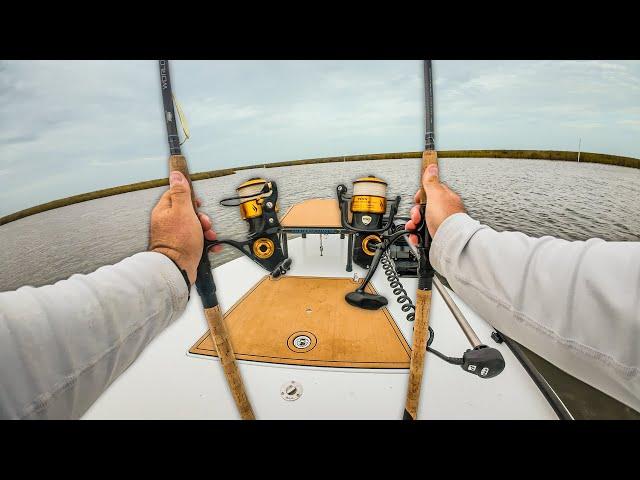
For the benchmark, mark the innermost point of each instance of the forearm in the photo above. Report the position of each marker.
(62, 345)
(577, 304)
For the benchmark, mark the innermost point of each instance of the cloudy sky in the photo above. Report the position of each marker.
(69, 127)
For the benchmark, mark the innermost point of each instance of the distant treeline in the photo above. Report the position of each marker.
(586, 157)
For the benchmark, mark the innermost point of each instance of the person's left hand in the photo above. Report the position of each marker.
(176, 230)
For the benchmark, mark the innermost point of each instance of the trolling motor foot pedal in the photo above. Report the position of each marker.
(483, 361)
(282, 268)
(368, 301)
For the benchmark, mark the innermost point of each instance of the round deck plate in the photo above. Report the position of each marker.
(302, 342)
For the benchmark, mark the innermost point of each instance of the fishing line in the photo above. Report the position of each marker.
(183, 120)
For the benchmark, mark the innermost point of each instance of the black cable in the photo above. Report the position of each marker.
(451, 360)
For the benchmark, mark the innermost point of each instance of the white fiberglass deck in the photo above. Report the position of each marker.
(166, 382)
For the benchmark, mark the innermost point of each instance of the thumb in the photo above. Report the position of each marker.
(430, 177)
(179, 189)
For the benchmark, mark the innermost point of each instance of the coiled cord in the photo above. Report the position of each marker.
(407, 304)
(398, 289)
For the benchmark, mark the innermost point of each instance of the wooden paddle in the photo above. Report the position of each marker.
(204, 282)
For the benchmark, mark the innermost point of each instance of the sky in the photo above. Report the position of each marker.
(69, 127)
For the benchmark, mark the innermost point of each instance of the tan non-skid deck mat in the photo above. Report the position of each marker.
(314, 213)
(306, 321)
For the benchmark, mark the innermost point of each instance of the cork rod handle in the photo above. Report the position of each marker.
(421, 323)
(222, 341)
(418, 351)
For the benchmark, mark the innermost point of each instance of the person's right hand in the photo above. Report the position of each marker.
(176, 230)
(442, 202)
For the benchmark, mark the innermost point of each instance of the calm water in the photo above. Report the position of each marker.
(538, 197)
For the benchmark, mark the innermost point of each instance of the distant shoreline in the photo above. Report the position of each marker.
(586, 157)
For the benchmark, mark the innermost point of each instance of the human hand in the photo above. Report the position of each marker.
(442, 202)
(176, 230)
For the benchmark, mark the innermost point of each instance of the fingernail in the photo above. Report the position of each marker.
(175, 177)
(432, 169)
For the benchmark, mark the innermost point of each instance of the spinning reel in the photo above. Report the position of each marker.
(374, 236)
(258, 202)
(373, 231)
(367, 207)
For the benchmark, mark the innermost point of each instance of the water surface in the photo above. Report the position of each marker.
(538, 197)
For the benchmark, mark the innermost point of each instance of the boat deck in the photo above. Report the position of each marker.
(317, 214)
(305, 321)
(167, 381)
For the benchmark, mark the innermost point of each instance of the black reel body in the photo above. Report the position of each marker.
(258, 202)
(368, 206)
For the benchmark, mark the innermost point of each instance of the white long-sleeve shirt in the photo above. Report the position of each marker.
(577, 304)
(62, 345)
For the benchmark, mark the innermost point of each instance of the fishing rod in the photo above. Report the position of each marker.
(425, 270)
(481, 360)
(374, 235)
(205, 284)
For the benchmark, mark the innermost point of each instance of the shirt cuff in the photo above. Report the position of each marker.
(451, 237)
(173, 278)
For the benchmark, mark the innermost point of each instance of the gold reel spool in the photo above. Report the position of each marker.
(369, 195)
(252, 206)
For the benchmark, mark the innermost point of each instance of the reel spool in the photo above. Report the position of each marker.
(368, 206)
(258, 202)
(252, 193)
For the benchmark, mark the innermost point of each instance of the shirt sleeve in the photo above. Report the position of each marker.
(577, 304)
(62, 345)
